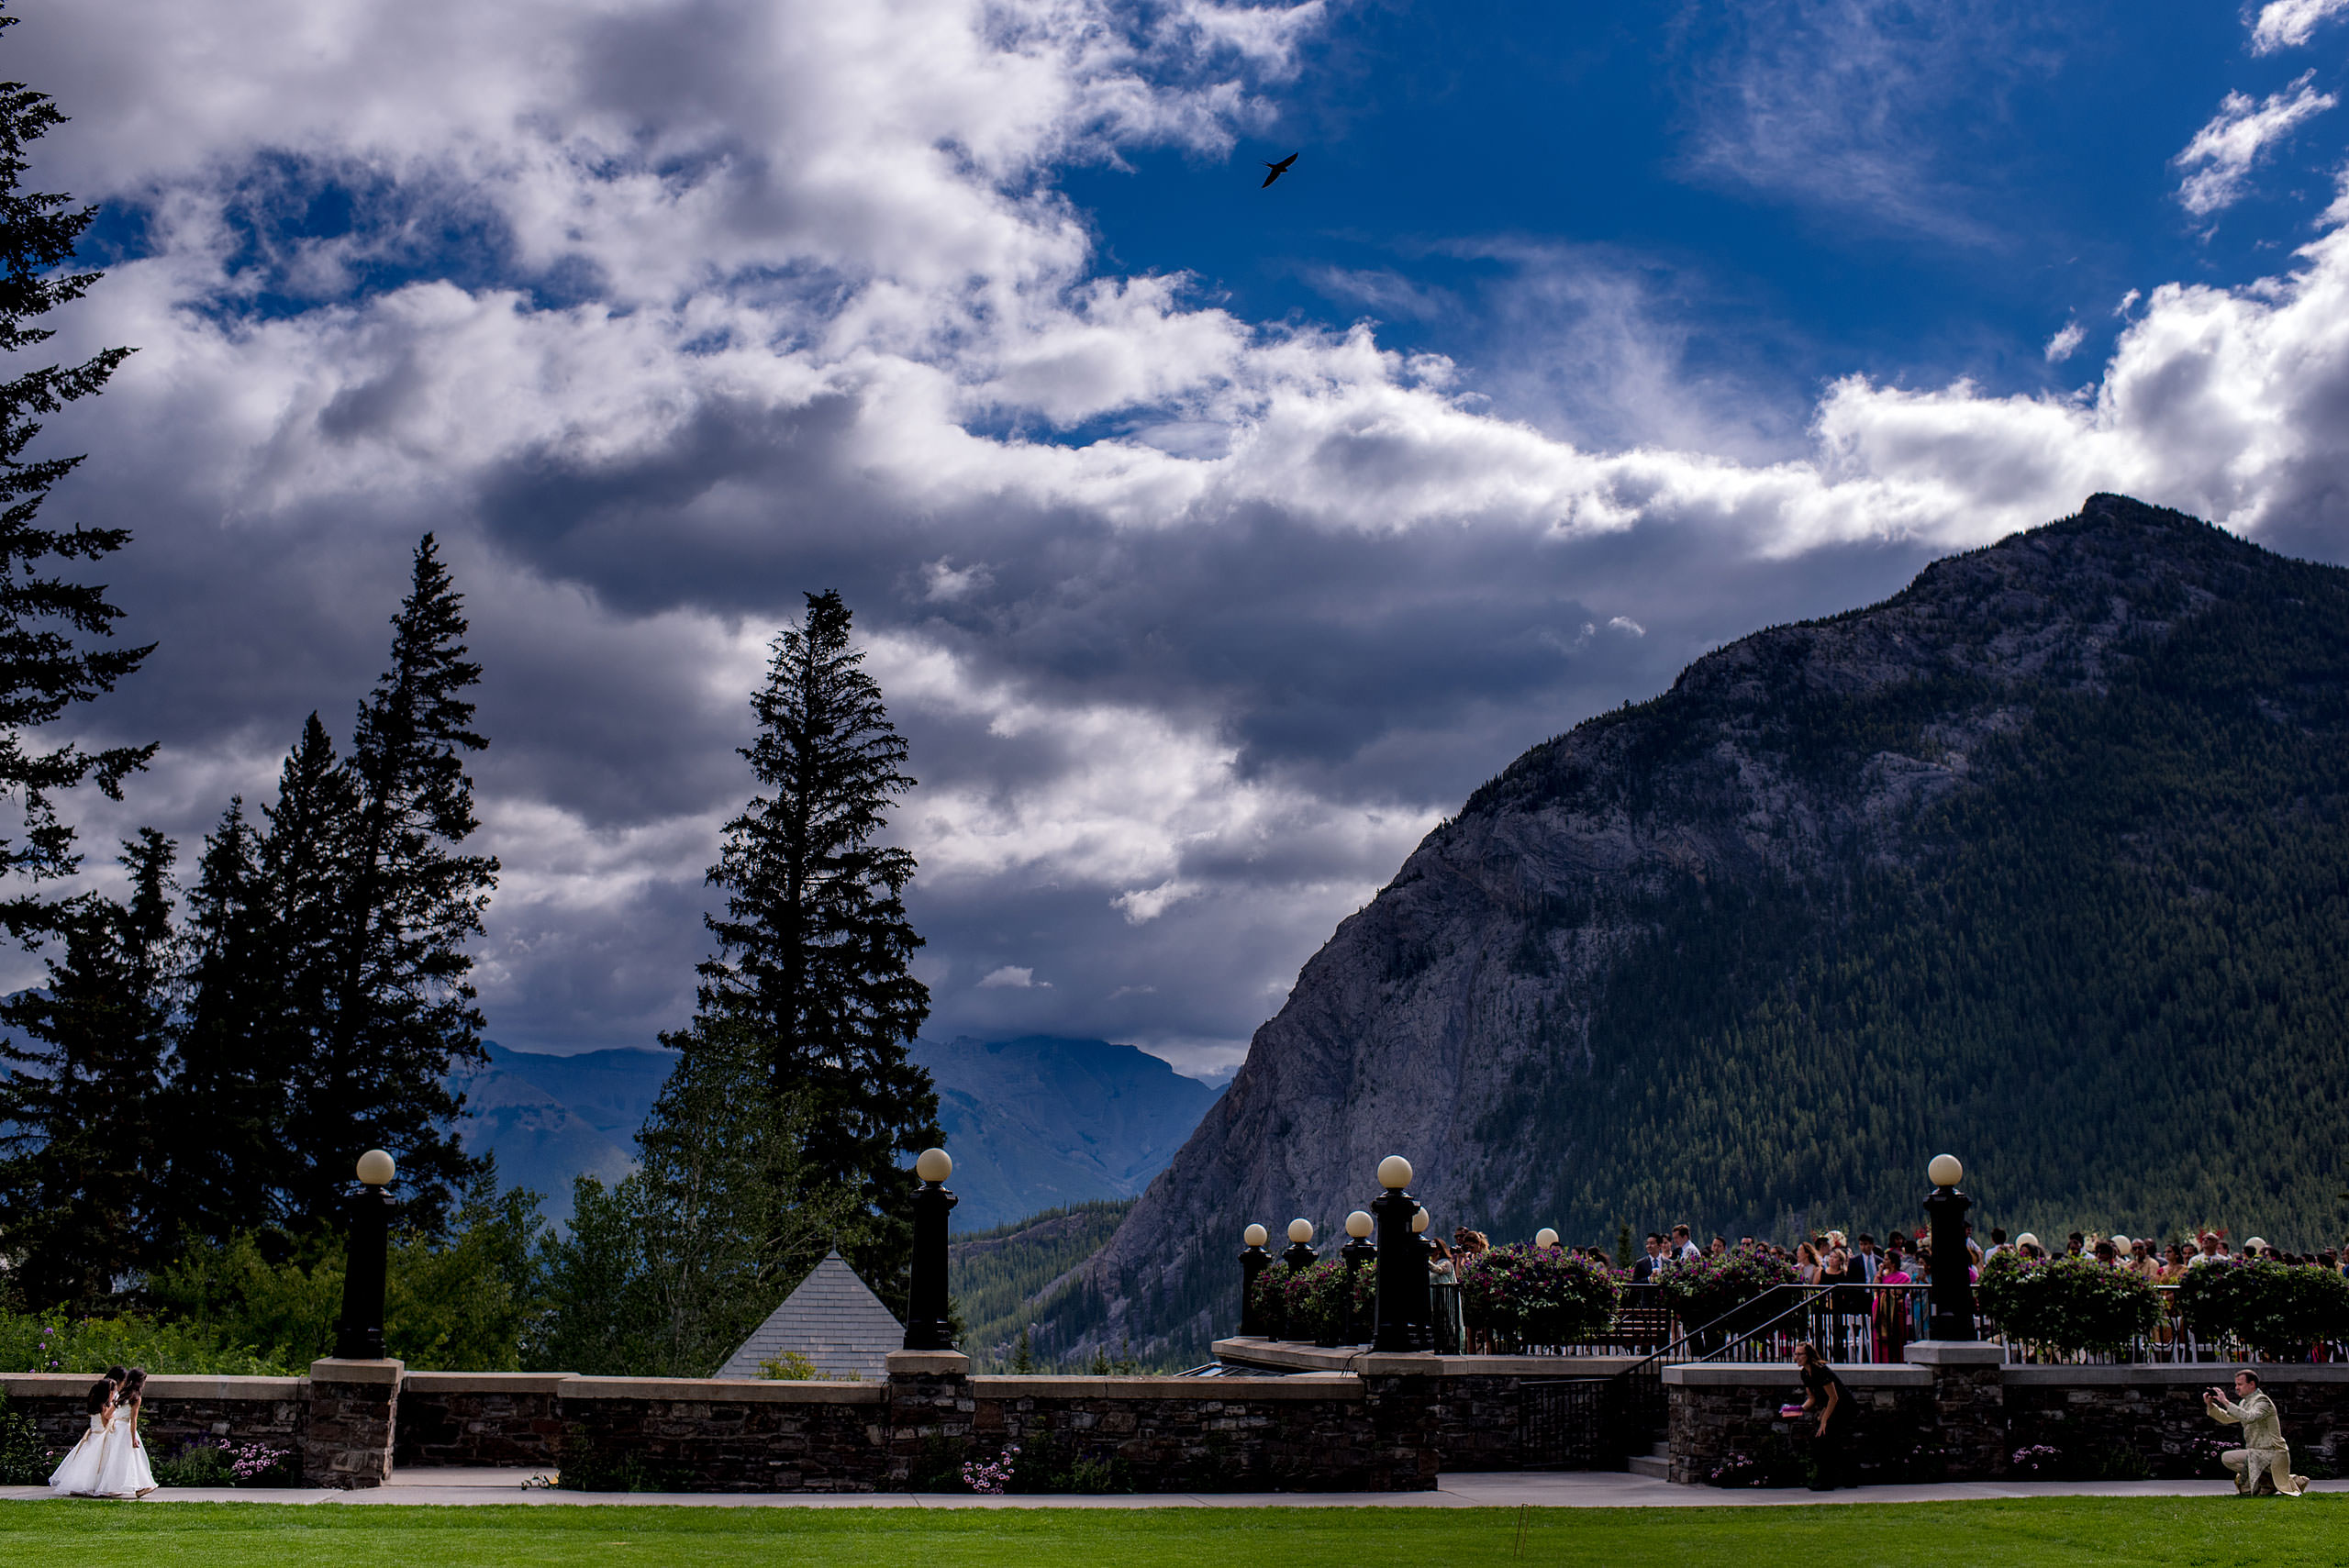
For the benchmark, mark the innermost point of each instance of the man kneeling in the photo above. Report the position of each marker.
(2264, 1461)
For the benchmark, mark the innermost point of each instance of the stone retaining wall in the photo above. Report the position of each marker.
(468, 1419)
(1966, 1422)
(178, 1409)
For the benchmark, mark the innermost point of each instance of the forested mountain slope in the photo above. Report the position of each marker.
(2041, 860)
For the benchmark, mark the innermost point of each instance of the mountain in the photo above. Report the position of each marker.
(1006, 1278)
(1036, 1123)
(549, 1120)
(2043, 860)
(1042, 1122)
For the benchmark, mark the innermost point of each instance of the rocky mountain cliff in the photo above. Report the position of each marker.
(2041, 860)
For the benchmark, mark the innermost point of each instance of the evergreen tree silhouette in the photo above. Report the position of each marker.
(815, 949)
(79, 1203)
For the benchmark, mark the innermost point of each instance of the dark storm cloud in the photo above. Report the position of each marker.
(662, 318)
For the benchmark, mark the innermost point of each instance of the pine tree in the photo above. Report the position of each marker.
(227, 1097)
(666, 1273)
(387, 1003)
(78, 1198)
(45, 621)
(815, 947)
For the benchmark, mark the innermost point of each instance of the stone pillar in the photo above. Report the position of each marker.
(348, 1438)
(1400, 1395)
(1969, 1405)
(929, 1413)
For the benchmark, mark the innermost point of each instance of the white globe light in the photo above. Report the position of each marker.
(2257, 1244)
(1358, 1224)
(1255, 1235)
(1545, 1236)
(1301, 1232)
(376, 1168)
(1944, 1172)
(933, 1164)
(2026, 1240)
(2120, 1243)
(1395, 1172)
(1419, 1220)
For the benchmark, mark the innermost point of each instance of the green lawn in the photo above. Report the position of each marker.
(2055, 1530)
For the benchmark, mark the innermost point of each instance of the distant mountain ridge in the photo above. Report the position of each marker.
(1042, 1122)
(1034, 1123)
(2043, 861)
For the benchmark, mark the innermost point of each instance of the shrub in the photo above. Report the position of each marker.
(1314, 1301)
(2072, 1304)
(54, 1341)
(1537, 1295)
(2278, 1309)
(214, 1461)
(792, 1366)
(24, 1462)
(1711, 1288)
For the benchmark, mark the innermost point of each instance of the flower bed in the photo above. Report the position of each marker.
(2278, 1309)
(2069, 1304)
(1522, 1295)
(1710, 1288)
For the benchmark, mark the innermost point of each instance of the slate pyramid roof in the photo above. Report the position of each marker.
(833, 1319)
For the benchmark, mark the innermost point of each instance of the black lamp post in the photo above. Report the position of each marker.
(1406, 1308)
(928, 1323)
(1300, 1253)
(359, 1335)
(1355, 1254)
(1254, 1261)
(1950, 1296)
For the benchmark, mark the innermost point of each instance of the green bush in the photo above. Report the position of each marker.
(1537, 1295)
(24, 1462)
(53, 1341)
(1711, 1288)
(2072, 1304)
(2278, 1309)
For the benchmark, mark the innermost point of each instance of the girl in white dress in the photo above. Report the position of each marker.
(124, 1471)
(77, 1477)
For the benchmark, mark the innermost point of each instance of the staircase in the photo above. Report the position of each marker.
(1657, 1464)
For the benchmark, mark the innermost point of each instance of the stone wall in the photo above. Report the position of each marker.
(696, 1435)
(178, 1409)
(1724, 1422)
(1968, 1422)
(1164, 1434)
(2119, 1421)
(465, 1419)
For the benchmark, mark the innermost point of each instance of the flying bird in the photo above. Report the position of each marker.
(1278, 170)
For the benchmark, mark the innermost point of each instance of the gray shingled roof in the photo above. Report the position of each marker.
(833, 1319)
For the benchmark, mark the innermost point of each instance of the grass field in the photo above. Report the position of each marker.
(2054, 1530)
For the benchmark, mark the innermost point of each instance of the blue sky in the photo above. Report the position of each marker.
(1211, 542)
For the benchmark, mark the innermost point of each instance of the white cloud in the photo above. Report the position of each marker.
(2220, 156)
(1143, 905)
(828, 300)
(2287, 24)
(2066, 342)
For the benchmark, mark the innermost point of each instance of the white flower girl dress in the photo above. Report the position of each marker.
(78, 1475)
(123, 1469)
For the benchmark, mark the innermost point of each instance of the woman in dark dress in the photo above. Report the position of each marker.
(1825, 1397)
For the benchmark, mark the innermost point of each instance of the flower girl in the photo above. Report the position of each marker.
(124, 1472)
(78, 1475)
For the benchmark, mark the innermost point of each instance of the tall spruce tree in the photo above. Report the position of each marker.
(390, 1004)
(80, 1199)
(813, 968)
(330, 990)
(50, 627)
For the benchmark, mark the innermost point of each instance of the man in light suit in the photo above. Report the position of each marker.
(2264, 1459)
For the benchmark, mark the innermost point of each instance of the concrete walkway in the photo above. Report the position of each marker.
(1574, 1489)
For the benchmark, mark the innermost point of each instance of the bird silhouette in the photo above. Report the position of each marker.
(1278, 170)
